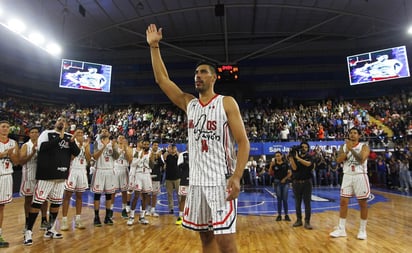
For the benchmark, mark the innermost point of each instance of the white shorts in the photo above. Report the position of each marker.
(51, 190)
(141, 182)
(121, 179)
(27, 187)
(156, 187)
(77, 181)
(355, 184)
(183, 190)
(6, 188)
(103, 181)
(206, 208)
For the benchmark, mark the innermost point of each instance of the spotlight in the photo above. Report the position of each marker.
(36, 38)
(53, 48)
(16, 25)
(410, 29)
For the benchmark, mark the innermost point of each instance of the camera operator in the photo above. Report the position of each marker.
(301, 163)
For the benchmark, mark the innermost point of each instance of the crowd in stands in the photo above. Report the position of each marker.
(264, 121)
(325, 120)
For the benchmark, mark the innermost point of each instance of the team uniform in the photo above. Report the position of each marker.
(77, 180)
(103, 180)
(6, 171)
(140, 178)
(355, 180)
(53, 166)
(121, 172)
(213, 159)
(28, 180)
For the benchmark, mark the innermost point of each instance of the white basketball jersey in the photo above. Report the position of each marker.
(79, 162)
(121, 162)
(105, 160)
(211, 144)
(140, 161)
(351, 165)
(6, 165)
(29, 168)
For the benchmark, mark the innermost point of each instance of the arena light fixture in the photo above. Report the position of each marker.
(16, 25)
(36, 38)
(53, 48)
(410, 29)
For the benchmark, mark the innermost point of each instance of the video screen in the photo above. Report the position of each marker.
(381, 65)
(85, 75)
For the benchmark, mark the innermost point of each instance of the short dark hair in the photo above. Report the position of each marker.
(4, 121)
(356, 129)
(305, 143)
(211, 65)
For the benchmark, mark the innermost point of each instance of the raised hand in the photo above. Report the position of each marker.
(153, 35)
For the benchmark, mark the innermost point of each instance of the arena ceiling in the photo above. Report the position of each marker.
(239, 32)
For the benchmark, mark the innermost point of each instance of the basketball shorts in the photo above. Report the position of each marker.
(77, 181)
(206, 208)
(51, 190)
(355, 184)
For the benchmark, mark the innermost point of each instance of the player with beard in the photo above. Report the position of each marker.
(105, 153)
(214, 125)
(302, 165)
(55, 150)
(140, 181)
(354, 156)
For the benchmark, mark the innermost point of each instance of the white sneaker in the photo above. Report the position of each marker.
(338, 232)
(78, 224)
(28, 238)
(143, 220)
(362, 235)
(130, 221)
(154, 214)
(65, 225)
(52, 233)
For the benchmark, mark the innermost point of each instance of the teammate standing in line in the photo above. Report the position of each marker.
(55, 150)
(28, 160)
(354, 156)
(140, 182)
(103, 178)
(121, 172)
(9, 156)
(77, 181)
(214, 124)
(156, 165)
(183, 165)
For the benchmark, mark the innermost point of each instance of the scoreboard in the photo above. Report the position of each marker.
(227, 73)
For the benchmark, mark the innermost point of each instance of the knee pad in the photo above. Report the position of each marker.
(108, 196)
(54, 205)
(97, 196)
(36, 205)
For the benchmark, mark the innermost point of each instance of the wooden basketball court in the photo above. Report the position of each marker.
(389, 230)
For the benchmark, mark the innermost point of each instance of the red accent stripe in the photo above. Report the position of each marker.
(227, 216)
(203, 105)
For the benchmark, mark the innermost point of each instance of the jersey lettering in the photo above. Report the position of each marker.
(205, 147)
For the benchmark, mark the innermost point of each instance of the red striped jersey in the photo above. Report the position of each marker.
(29, 168)
(211, 144)
(6, 165)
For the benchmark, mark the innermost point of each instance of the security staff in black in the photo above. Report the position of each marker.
(302, 165)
